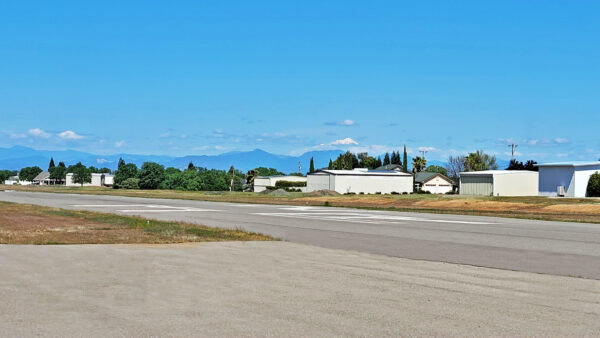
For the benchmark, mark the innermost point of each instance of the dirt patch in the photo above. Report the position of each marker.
(27, 224)
(323, 193)
(277, 192)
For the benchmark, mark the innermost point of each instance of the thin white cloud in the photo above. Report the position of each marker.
(69, 135)
(561, 140)
(532, 142)
(427, 149)
(37, 132)
(17, 136)
(119, 144)
(164, 135)
(102, 160)
(346, 141)
(344, 123)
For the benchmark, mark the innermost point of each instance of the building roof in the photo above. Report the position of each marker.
(495, 172)
(422, 177)
(44, 175)
(362, 172)
(295, 177)
(568, 164)
(390, 167)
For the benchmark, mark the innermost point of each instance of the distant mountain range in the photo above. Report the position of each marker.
(17, 157)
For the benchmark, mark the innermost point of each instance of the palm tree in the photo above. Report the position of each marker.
(419, 163)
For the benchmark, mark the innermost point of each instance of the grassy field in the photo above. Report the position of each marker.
(559, 209)
(28, 224)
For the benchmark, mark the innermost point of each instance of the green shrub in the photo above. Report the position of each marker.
(130, 183)
(593, 188)
(289, 184)
(395, 193)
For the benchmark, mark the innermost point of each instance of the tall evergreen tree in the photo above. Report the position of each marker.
(330, 166)
(62, 164)
(378, 163)
(51, 164)
(386, 159)
(191, 165)
(405, 161)
(121, 163)
(396, 157)
(312, 166)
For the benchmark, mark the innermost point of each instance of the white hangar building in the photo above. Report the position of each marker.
(499, 183)
(262, 182)
(568, 179)
(98, 180)
(360, 180)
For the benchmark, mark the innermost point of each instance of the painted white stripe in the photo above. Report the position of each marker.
(107, 205)
(168, 210)
(368, 218)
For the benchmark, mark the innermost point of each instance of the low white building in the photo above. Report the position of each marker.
(568, 179)
(42, 178)
(360, 180)
(15, 180)
(435, 183)
(262, 182)
(499, 183)
(98, 180)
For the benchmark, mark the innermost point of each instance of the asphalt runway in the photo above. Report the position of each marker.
(277, 289)
(557, 248)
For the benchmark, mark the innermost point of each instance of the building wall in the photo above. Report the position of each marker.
(319, 181)
(552, 177)
(437, 185)
(582, 177)
(261, 183)
(372, 184)
(478, 185)
(96, 180)
(516, 184)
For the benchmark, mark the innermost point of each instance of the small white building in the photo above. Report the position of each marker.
(499, 183)
(435, 183)
(360, 180)
(262, 182)
(98, 180)
(568, 179)
(42, 178)
(15, 180)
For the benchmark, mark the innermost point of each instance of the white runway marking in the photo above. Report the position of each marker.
(147, 208)
(356, 217)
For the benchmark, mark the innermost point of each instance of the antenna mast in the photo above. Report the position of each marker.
(513, 147)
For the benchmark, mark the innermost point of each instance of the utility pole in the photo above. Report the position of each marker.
(423, 152)
(299, 166)
(232, 169)
(513, 147)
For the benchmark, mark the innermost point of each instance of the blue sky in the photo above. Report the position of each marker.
(206, 77)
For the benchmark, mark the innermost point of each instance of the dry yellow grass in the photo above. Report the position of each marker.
(27, 224)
